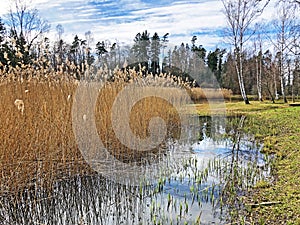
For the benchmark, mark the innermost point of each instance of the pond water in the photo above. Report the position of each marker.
(222, 164)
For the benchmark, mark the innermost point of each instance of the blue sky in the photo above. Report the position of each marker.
(122, 19)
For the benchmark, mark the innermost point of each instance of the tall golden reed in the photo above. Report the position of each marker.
(37, 143)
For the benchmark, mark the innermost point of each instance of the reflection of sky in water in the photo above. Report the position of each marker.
(104, 199)
(248, 148)
(204, 151)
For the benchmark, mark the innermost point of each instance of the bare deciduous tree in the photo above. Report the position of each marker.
(60, 30)
(258, 65)
(25, 23)
(240, 15)
(287, 30)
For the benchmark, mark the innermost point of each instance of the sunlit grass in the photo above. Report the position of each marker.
(206, 109)
(279, 129)
(278, 126)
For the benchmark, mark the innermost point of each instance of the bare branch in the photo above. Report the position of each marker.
(240, 15)
(25, 23)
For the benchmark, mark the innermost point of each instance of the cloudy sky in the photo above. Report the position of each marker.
(122, 19)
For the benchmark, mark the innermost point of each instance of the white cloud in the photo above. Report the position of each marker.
(4, 7)
(123, 19)
(183, 18)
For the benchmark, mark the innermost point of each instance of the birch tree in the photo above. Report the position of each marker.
(286, 29)
(269, 81)
(258, 65)
(164, 42)
(240, 14)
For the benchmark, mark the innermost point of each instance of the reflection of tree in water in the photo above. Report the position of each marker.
(93, 199)
(241, 168)
(240, 163)
(215, 127)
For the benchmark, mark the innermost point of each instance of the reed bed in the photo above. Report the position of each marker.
(205, 94)
(37, 141)
(38, 145)
(141, 114)
(44, 178)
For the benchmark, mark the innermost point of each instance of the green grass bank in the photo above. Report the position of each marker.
(275, 201)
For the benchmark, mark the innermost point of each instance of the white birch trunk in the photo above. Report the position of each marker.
(281, 68)
(258, 77)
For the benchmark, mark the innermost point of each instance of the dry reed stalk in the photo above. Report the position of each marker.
(198, 94)
(40, 139)
(140, 117)
(39, 146)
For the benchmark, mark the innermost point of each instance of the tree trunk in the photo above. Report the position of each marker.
(239, 70)
(293, 96)
(270, 93)
(283, 89)
(275, 86)
(282, 77)
(258, 78)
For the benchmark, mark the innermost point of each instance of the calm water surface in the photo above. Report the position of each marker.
(218, 164)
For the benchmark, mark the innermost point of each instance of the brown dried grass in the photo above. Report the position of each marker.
(38, 146)
(203, 94)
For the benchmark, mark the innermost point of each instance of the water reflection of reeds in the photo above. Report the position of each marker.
(206, 187)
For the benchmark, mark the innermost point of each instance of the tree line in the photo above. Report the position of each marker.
(248, 67)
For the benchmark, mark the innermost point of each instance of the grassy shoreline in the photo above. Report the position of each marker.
(278, 126)
(41, 143)
(280, 130)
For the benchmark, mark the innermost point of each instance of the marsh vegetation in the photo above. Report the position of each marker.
(112, 135)
(45, 178)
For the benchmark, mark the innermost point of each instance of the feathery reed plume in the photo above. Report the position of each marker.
(20, 105)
